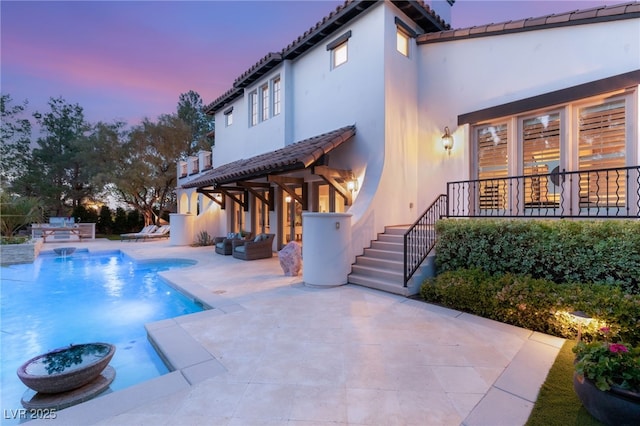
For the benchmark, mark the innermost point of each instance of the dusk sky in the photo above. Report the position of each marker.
(129, 60)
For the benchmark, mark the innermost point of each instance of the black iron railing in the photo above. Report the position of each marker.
(602, 193)
(420, 238)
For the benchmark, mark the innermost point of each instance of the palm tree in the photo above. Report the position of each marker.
(16, 212)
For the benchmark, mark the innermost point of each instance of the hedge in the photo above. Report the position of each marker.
(537, 304)
(562, 251)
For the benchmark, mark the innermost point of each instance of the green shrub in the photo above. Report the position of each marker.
(561, 251)
(537, 304)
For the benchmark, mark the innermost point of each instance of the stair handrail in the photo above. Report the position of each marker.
(420, 238)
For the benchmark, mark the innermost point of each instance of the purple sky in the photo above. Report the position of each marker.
(129, 60)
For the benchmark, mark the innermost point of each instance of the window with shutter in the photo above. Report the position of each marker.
(540, 155)
(492, 163)
(601, 145)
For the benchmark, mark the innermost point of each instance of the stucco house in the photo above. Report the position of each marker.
(382, 111)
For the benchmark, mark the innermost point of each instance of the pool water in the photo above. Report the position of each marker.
(82, 298)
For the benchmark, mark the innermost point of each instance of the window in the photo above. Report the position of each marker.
(228, 117)
(403, 34)
(402, 42)
(264, 97)
(587, 138)
(339, 50)
(540, 155)
(491, 143)
(276, 96)
(601, 145)
(340, 55)
(253, 108)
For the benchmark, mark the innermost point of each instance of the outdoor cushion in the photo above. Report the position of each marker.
(220, 245)
(240, 249)
(257, 238)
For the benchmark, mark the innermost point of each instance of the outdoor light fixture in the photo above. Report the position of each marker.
(287, 198)
(447, 140)
(352, 184)
(581, 319)
(218, 196)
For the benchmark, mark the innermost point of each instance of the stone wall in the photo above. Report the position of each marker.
(20, 253)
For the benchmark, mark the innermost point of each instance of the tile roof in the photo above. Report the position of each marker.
(576, 17)
(417, 10)
(296, 156)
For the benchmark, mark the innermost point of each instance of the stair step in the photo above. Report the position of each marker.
(391, 238)
(396, 230)
(380, 273)
(380, 262)
(384, 254)
(378, 284)
(382, 245)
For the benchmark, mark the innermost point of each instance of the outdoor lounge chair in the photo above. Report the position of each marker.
(135, 235)
(223, 244)
(162, 232)
(261, 247)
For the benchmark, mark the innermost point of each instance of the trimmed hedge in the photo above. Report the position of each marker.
(537, 304)
(563, 251)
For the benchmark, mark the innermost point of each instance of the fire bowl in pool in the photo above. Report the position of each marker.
(66, 368)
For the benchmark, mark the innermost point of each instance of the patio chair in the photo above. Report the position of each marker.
(162, 232)
(223, 245)
(261, 247)
(135, 235)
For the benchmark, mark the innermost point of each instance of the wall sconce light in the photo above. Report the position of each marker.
(447, 140)
(218, 196)
(287, 199)
(352, 184)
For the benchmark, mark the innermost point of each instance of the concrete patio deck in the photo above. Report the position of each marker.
(273, 351)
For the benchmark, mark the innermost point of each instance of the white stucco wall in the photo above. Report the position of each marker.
(463, 76)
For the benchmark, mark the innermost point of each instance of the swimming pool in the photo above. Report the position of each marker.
(86, 297)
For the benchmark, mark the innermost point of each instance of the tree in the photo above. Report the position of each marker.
(191, 111)
(15, 142)
(58, 169)
(145, 174)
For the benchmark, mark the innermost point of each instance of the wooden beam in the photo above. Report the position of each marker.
(331, 176)
(207, 193)
(284, 182)
(259, 193)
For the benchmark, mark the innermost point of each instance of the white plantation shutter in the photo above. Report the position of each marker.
(540, 155)
(601, 145)
(492, 163)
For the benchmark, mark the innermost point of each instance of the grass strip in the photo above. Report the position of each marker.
(557, 402)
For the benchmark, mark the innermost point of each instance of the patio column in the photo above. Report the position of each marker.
(326, 248)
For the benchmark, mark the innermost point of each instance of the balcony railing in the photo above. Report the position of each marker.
(602, 193)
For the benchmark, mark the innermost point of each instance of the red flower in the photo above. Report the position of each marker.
(605, 330)
(617, 347)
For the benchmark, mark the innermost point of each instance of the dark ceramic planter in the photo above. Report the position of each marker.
(615, 407)
(67, 368)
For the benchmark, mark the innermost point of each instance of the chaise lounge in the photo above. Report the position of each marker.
(223, 244)
(261, 247)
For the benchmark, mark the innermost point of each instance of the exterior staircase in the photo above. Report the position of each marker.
(382, 265)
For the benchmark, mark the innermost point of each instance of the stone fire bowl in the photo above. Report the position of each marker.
(66, 368)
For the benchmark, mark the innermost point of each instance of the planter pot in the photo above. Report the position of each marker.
(615, 407)
(67, 368)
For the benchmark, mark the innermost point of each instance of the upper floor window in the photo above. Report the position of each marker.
(228, 117)
(403, 34)
(253, 108)
(402, 42)
(340, 55)
(276, 96)
(339, 50)
(264, 98)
